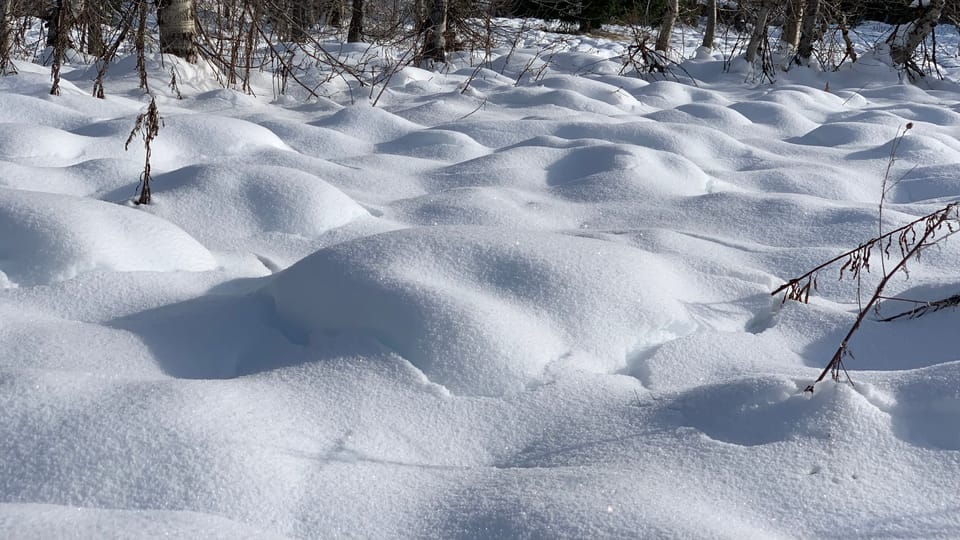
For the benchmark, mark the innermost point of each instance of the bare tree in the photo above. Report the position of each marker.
(302, 16)
(759, 34)
(435, 45)
(333, 11)
(178, 30)
(6, 35)
(419, 16)
(666, 26)
(790, 35)
(58, 18)
(808, 32)
(903, 46)
(355, 32)
(92, 16)
(710, 31)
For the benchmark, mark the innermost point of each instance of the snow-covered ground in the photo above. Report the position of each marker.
(525, 309)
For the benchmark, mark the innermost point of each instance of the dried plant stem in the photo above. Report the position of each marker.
(911, 242)
(925, 307)
(148, 125)
(799, 288)
(835, 366)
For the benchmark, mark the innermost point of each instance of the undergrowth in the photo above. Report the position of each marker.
(901, 246)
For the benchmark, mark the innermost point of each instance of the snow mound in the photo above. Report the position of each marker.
(438, 144)
(18, 142)
(317, 141)
(201, 137)
(704, 114)
(484, 311)
(754, 412)
(368, 123)
(849, 134)
(218, 202)
(16, 108)
(46, 238)
(783, 118)
(53, 521)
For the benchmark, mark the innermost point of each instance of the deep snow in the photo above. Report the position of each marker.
(524, 309)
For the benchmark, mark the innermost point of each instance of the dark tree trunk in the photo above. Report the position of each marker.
(355, 33)
(93, 17)
(435, 43)
(710, 32)
(6, 35)
(808, 32)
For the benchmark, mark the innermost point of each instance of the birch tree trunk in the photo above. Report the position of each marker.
(355, 32)
(435, 46)
(790, 36)
(808, 31)
(759, 31)
(710, 31)
(902, 48)
(666, 25)
(178, 30)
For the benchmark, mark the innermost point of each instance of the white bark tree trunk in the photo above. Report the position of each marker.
(759, 31)
(666, 25)
(790, 36)
(902, 49)
(178, 30)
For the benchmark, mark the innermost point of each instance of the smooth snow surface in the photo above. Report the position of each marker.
(482, 308)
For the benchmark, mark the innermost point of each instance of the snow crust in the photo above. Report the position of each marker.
(485, 308)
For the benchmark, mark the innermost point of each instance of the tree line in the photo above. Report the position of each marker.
(227, 32)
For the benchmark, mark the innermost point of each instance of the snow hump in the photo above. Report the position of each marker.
(485, 311)
(46, 238)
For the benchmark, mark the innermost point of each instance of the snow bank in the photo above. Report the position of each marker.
(46, 238)
(215, 203)
(486, 312)
(51, 521)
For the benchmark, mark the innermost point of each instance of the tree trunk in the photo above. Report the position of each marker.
(6, 35)
(808, 32)
(301, 20)
(355, 33)
(902, 48)
(178, 30)
(93, 16)
(790, 35)
(57, 10)
(335, 13)
(419, 16)
(666, 25)
(710, 32)
(759, 31)
(435, 45)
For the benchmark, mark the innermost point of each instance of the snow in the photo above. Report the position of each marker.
(482, 308)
